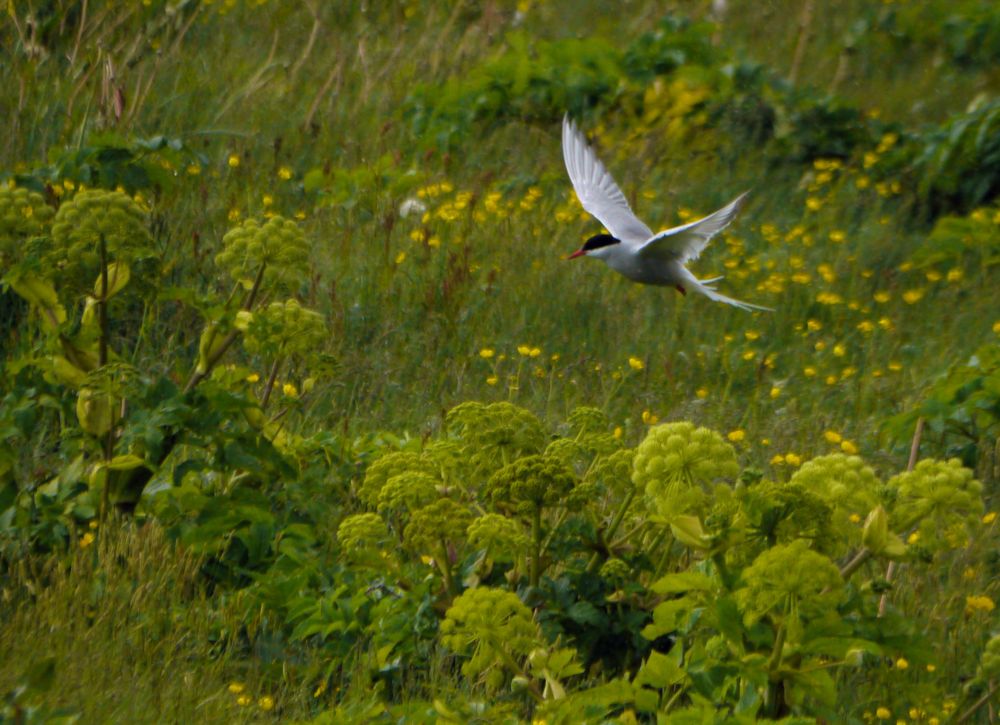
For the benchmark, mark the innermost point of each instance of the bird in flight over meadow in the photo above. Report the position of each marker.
(631, 248)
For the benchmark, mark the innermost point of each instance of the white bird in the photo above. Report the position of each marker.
(631, 248)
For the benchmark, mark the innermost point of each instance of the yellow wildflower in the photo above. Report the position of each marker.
(284, 173)
(978, 603)
(848, 448)
(486, 353)
(266, 703)
(912, 296)
(832, 436)
(883, 713)
(234, 161)
(492, 380)
(635, 363)
(702, 393)
(902, 663)
(735, 436)
(990, 517)
(649, 418)
(401, 257)
(252, 378)
(793, 459)
(290, 390)
(775, 391)
(86, 540)
(236, 687)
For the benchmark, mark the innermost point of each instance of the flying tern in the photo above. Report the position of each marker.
(631, 248)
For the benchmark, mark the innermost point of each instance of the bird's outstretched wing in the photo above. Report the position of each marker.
(686, 242)
(597, 190)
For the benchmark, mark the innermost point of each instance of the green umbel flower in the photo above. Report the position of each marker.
(389, 465)
(941, 499)
(495, 434)
(780, 513)
(676, 464)
(989, 663)
(501, 537)
(436, 525)
(285, 328)
(23, 215)
(585, 420)
(846, 484)
(407, 491)
(531, 483)
(80, 224)
(494, 627)
(278, 244)
(790, 580)
(616, 571)
(362, 531)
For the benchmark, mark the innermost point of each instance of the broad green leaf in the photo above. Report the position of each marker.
(682, 582)
(118, 276)
(126, 462)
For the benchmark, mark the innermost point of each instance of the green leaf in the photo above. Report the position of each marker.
(40, 294)
(682, 582)
(125, 463)
(584, 612)
(660, 671)
(118, 276)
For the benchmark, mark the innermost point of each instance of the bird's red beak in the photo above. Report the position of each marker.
(577, 253)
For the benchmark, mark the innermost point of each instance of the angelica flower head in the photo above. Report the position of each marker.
(438, 524)
(278, 245)
(677, 462)
(362, 531)
(846, 485)
(502, 538)
(941, 499)
(389, 465)
(790, 580)
(531, 483)
(493, 626)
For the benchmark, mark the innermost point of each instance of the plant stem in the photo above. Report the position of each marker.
(979, 703)
(102, 305)
(536, 540)
(197, 376)
(445, 566)
(269, 385)
(890, 571)
(863, 555)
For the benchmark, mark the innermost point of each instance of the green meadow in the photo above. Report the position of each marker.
(306, 416)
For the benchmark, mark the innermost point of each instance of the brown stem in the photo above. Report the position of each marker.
(890, 570)
(863, 555)
(979, 703)
(269, 385)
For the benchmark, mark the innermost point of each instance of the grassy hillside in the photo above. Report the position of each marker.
(258, 259)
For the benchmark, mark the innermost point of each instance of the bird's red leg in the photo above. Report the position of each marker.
(680, 289)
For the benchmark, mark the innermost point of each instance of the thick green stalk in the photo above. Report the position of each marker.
(536, 542)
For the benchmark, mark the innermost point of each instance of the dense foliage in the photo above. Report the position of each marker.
(301, 419)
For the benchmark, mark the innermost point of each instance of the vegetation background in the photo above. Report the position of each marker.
(317, 228)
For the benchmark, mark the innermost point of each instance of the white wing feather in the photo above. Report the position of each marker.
(597, 190)
(685, 243)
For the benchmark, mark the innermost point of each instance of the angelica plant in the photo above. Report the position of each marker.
(494, 629)
(439, 529)
(528, 486)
